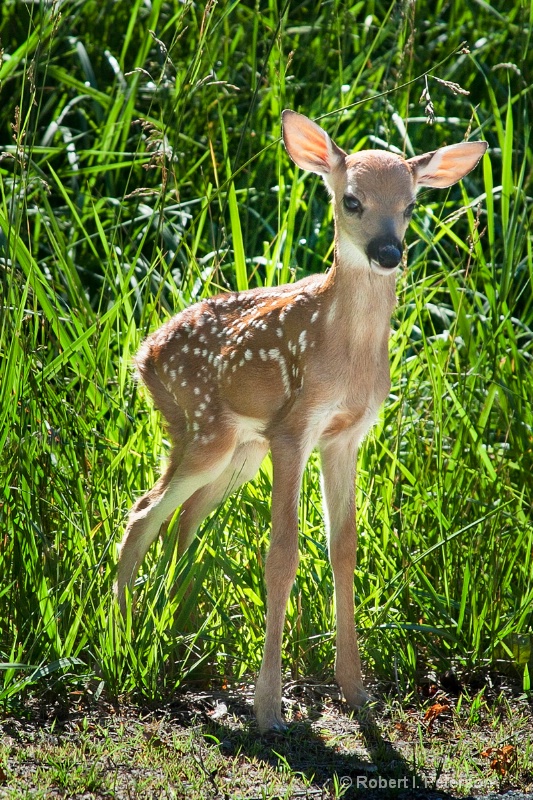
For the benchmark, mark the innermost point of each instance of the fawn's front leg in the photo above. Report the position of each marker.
(338, 457)
(280, 572)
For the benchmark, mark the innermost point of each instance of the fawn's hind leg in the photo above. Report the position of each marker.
(243, 466)
(198, 467)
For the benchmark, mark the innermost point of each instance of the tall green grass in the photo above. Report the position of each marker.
(141, 170)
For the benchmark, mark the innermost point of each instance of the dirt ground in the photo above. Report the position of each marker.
(206, 745)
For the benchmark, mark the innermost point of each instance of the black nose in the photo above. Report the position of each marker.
(386, 252)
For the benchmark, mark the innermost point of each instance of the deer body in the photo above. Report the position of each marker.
(289, 369)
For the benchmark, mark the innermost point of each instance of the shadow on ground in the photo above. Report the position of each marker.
(337, 753)
(207, 744)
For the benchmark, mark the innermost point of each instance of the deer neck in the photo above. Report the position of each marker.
(360, 301)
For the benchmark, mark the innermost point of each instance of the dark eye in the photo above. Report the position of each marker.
(408, 213)
(352, 204)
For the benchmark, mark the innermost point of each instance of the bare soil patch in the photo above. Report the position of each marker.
(207, 745)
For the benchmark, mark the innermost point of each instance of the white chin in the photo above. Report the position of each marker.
(379, 270)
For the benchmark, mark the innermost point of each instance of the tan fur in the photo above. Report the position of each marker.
(289, 368)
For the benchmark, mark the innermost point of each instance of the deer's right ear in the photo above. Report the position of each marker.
(308, 145)
(446, 166)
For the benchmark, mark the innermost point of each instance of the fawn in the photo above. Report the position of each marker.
(289, 368)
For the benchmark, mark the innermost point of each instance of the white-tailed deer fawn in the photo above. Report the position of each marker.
(288, 369)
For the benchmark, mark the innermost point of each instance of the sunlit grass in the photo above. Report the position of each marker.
(141, 171)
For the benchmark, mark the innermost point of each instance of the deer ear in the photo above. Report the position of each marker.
(446, 166)
(309, 146)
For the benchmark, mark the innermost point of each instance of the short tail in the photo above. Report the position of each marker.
(146, 363)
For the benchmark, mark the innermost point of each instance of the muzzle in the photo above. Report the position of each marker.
(385, 252)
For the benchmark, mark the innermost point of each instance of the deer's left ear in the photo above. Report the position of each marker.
(309, 146)
(446, 166)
